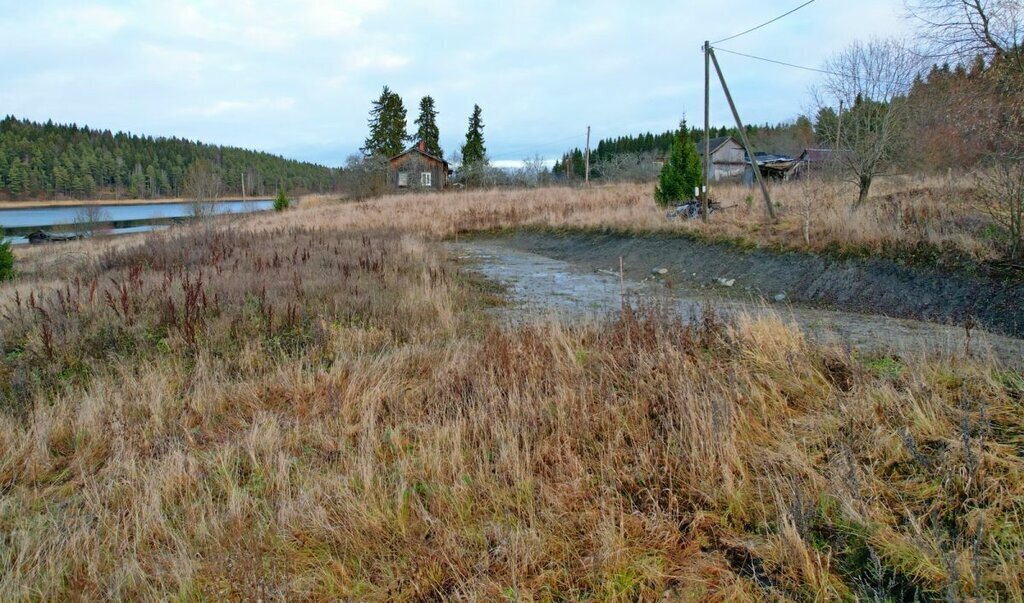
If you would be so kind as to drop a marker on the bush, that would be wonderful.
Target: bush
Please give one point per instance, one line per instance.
(6, 259)
(281, 203)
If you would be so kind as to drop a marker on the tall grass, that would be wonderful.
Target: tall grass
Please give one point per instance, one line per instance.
(908, 216)
(317, 412)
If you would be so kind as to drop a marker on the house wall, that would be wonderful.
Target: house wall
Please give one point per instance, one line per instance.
(728, 161)
(414, 165)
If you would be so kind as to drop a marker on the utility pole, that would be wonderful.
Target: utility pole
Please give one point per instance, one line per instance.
(743, 137)
(587, 158)
(704, 202)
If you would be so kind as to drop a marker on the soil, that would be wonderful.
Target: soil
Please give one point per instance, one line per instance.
(541, 284)
(871, 286)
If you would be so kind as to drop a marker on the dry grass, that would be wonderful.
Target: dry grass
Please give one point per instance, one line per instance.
(316, 406)
(917, 216)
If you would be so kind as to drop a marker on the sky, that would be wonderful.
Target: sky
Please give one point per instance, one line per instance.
(296, 77)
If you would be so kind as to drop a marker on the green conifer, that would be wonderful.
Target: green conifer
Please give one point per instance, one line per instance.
(428, 132)
(474, 152)
(681, 174)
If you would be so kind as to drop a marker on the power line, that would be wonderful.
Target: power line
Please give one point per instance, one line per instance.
(825, 71)
(743, 33)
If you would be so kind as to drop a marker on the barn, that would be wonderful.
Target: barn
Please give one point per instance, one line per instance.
(728, 158)
(416, 170)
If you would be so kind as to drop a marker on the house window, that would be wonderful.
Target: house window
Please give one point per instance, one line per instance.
(403, 179)
(425, 179)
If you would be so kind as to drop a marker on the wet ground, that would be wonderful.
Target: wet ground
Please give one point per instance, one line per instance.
(541, 286)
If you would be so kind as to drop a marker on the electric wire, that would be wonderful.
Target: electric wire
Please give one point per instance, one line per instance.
(813, 69)
(752, 29)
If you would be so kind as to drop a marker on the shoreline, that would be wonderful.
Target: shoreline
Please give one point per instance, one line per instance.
(56, 204)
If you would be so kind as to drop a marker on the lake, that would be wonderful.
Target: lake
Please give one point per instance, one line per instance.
(117, 219)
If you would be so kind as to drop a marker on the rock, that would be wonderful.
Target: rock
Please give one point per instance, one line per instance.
(659, 271)
(726, 282)
(780, 297)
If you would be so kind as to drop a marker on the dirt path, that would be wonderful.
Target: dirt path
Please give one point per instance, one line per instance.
(541, 285)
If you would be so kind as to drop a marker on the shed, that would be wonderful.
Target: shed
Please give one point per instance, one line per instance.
(728, 158)
(773, 167)
(818, 160)
(416, 169)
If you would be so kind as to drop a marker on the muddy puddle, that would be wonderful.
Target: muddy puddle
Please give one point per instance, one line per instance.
(541, 286)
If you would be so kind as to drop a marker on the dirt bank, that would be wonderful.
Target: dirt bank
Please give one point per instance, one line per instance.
(876, 286)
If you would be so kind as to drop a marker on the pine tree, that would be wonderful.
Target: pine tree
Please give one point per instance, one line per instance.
(17, 180)
(681, 174)
(387, 126)
(428, 132)
(474, 152)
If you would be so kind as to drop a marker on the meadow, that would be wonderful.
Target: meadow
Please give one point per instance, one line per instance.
(319, 405)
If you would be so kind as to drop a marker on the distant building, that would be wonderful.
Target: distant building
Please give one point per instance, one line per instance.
(728, 159)
(818, 160)
(773, 167)
(415, 169)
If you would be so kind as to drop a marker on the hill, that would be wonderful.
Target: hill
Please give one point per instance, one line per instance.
(56, 160)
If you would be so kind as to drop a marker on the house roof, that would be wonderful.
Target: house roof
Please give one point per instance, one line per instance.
(416, 149)
(817, 155)
(716, 143)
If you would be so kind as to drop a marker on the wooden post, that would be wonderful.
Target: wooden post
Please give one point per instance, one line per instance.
(707, 134)
(587, 157)
(743, 136)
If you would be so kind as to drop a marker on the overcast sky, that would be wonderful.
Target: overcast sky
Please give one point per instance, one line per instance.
(297, 77)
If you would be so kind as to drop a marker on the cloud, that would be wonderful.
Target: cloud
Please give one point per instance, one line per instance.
(306, 70)
(224, 107)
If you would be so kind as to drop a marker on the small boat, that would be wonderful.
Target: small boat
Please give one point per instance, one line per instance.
(41, 236)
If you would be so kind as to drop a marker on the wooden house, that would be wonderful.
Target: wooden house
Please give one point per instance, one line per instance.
(728, 158)
(416, 170)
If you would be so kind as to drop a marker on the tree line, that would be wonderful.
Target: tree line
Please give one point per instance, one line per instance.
(57, 160)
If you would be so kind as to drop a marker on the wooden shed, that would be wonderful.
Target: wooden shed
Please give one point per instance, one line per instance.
(728, 158)
(415, 169)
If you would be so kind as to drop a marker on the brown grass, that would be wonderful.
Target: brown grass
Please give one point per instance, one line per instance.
(922, 216)
(316, 406)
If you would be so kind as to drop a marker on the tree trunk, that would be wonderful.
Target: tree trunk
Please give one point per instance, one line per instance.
(865, 188)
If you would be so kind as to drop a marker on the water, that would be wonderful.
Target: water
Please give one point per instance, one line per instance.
(122, 219)
(540, 287)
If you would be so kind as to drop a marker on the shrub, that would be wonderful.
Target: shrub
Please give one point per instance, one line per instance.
(281, 203)
(6, 259)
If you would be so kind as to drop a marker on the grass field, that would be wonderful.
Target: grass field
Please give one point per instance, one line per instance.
(317, 405)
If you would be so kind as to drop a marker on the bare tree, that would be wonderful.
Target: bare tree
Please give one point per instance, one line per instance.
(963, 29)
(365, 177)
(90, 218)
(629, 167)
(1001, 192)
(202, 187)
(871, 79)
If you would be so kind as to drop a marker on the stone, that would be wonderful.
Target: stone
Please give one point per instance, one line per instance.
(780, 297)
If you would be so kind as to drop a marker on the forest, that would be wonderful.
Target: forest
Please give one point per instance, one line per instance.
(57, 161)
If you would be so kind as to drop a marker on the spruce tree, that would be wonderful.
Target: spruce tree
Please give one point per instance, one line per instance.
(681, 174)
(387, 126)
(474, 152)
(428, 132)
